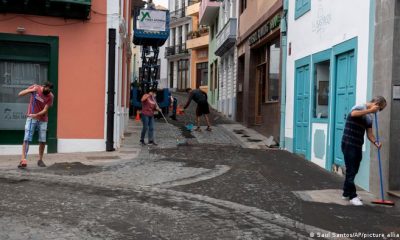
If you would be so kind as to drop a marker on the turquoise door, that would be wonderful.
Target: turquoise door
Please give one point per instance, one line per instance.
(302, 116)
(345, 98)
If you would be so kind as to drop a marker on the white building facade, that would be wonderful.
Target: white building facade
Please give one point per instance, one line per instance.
(225, 48)
(329, 70)
(176, 53)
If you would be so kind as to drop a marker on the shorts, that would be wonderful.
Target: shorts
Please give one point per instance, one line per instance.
(202, 108)
(36, 125)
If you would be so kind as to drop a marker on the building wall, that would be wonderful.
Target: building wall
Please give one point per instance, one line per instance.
(73, 79)
(197, 56)
(326, 25)
(82, 72)
(254, 12)
(386, 76)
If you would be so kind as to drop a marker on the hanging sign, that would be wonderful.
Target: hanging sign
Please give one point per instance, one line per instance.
(151, 20)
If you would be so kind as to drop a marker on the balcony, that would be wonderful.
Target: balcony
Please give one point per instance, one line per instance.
(226, 38)
(175, 15)
(193, 10)
(176, 50)
(78, 9)
(197, 39)
(208, 11)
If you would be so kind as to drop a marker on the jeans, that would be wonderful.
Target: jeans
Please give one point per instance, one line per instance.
(33, 125)
(352, 159)
(148, 124)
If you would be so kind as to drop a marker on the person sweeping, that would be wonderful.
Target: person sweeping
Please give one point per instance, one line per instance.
(37, 117)
(199, 97)
(149, 105)
(358, 121)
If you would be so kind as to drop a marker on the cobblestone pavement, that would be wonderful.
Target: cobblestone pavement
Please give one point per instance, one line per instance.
(190, 186)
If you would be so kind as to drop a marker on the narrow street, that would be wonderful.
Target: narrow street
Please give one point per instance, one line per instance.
(209, 188)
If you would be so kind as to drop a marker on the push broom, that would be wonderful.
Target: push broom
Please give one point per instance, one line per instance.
(24, 162)
(381, 201)
(170, 128)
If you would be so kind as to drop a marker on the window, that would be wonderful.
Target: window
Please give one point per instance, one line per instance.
(183, 74)
(274, 51)
(243, 5)
(202, 74)
(302, 6)
(15, 77)
(321, 90)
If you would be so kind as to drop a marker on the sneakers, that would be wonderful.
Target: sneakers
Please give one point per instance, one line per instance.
(40, 163)
(198, 129)
(173, 117)
(23, 164)
(347, 198)
(153, 143)
(142, 143)
(356, 201)
(208, 129)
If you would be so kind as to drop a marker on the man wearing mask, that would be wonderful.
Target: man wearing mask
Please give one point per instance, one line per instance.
(41, 100)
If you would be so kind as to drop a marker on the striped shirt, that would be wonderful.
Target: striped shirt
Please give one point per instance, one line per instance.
(355, 127)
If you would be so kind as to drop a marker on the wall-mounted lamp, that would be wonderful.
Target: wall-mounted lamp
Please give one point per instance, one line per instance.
(20, 29)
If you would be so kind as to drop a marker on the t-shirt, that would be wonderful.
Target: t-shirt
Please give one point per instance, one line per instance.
(198, 96)
(41, 101)
(355, 127)
(148, 106)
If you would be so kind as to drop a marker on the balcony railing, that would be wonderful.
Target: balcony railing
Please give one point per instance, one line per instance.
(176, 50)
(191, 2)
(180, 13)
(226, 38)
(199, 33)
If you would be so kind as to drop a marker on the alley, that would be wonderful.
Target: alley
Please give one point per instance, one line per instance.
(211, 189)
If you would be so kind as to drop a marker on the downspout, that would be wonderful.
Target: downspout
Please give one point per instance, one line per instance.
(283, 71)
(111, 90)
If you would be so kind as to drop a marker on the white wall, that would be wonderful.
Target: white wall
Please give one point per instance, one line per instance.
(328, 23)
(163, 81)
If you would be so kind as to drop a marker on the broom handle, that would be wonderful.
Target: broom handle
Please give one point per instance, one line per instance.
(379, 156)
(30, 125)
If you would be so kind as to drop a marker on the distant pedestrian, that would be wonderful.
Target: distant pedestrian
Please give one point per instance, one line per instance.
(199, 97)
(358, 121)
(149, 105)
(173, 102)
(41, 100)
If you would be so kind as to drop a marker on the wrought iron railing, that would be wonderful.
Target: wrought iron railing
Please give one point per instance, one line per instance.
(175, 50)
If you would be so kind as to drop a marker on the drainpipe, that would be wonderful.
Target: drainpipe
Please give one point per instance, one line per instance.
(283, 71)
(111, 90)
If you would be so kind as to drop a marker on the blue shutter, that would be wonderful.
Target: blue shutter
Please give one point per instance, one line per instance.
(302, 6)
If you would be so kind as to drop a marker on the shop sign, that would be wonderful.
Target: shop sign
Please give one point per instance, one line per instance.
(12, 116)
(265, 29)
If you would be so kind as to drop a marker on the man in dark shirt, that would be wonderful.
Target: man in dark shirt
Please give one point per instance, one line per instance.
(358, 121)
(199, 97)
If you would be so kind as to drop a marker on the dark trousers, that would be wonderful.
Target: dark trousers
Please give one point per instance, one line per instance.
(352, 159)
(174, 106)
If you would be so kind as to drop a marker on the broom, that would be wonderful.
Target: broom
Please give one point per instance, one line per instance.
(381, 201)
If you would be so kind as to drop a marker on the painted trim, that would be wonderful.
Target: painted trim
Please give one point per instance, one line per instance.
(306, 6)
(81, 145)
(317, 58)
(300, 63)
(346, 46)
(17, 149)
